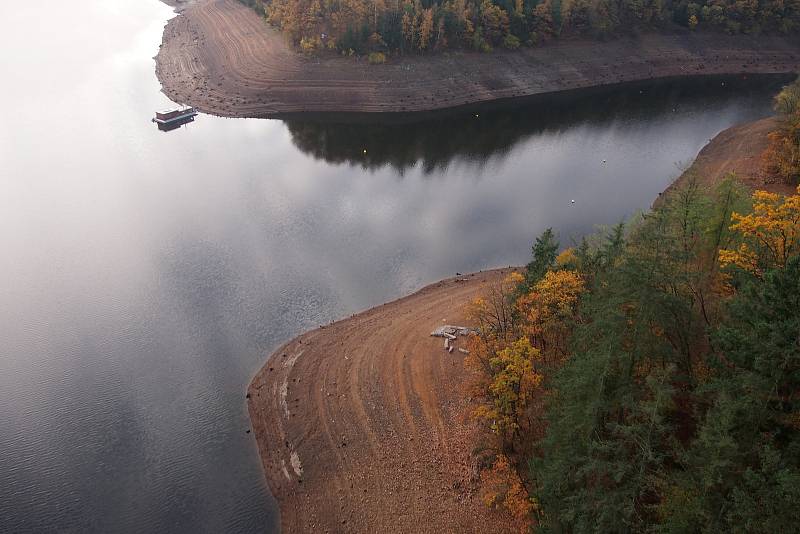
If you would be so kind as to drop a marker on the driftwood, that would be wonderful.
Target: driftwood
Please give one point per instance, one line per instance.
(451, 331)
(463, 351)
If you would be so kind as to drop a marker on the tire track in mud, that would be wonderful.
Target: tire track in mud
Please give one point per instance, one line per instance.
(377, 420)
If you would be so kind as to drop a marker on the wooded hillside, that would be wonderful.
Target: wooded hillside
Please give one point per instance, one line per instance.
(648, 379)
(362, 26)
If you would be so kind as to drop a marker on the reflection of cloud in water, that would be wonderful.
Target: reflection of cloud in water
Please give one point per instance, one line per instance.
(148, 275)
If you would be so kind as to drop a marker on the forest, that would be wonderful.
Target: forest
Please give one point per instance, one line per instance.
(402, 26)
(647, 379)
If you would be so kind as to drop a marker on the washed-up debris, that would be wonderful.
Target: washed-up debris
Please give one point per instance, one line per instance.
(450, 334)
(450, 331)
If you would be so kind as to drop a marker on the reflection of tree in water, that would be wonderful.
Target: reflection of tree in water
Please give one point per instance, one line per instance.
(481, 133)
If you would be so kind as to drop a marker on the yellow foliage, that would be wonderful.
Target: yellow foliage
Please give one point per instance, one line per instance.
(771, 232)
(566, 258)
(554, 295)
(742, 257)
(309, 44)
(513, 279)
(425, 29)
(511, 386)
(550, 308)
(505, 381)
(376, 58)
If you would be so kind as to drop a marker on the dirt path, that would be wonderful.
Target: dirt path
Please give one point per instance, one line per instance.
(220, 56)
(361, 424)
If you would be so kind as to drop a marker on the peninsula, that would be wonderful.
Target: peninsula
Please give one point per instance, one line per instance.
(221, 57)
(363, 425)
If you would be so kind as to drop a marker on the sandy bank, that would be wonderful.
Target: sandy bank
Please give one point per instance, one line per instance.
(361, 424)
(220, 56)
(737, 150)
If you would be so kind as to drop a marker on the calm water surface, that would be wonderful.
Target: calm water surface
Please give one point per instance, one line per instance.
(145, 276)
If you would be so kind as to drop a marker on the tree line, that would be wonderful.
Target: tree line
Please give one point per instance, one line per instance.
(398, 26)
(648, 379)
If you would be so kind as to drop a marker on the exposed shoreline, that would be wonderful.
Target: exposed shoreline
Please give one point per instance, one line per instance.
(362, 425)
(219, 56)
(736, 150)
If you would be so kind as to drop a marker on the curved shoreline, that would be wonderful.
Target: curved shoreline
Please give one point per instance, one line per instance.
(735, 150)
(219, 56)
(361, 424)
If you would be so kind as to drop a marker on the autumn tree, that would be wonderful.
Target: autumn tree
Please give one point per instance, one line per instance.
(484, 24)
(425, 31)
(503, 488)
(494, 311)
(770, 233)
(511, 385)
(782, 157)
(416, 26)
(549, 311)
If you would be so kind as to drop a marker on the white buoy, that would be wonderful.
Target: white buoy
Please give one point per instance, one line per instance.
(604, 161)
(573, 201)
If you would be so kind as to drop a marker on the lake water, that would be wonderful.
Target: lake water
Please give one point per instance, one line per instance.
(145, 276)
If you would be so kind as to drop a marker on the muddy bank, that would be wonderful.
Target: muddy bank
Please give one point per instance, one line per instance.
(220, 56)
(362, 424)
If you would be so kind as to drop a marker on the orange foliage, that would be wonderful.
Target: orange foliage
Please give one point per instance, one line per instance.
(506, 361)
(502, 487)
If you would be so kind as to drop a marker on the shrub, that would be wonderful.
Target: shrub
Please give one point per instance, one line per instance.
(376, 58)
(309, 44)
(511, 42)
